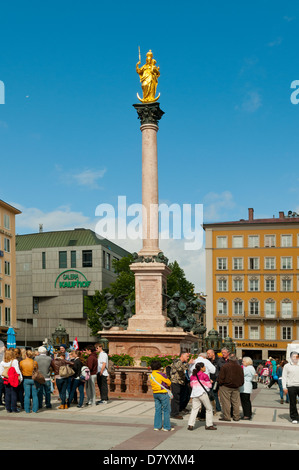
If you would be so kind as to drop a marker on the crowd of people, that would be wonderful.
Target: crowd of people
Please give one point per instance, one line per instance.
(28, 378)
(218, 384)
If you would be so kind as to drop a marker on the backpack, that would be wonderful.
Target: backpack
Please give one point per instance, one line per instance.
(111, 368)
(84, 374)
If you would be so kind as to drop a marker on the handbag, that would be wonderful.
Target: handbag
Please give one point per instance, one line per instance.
(5, 371)
(66, 371)
(208, 392)
(168, 391)
(38, 377)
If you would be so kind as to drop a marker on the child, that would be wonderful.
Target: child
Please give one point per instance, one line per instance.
(200, 384)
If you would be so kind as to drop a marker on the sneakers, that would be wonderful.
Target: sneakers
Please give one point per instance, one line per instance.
(168, 430)
(102, 402)
(294, 421)
(157, 429)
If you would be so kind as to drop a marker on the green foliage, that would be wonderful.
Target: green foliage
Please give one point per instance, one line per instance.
(121, 359)
(177, 282)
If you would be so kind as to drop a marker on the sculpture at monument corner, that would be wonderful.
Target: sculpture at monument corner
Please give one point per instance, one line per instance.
(114, 316)
(148, 74)
(180, 313)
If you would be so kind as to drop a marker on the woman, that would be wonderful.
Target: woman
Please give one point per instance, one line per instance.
(27, 366)
(75, 357)
(20, 390)
(246, 389)
(11, 395)
(200, 384)
(61, 382)
(160, 386)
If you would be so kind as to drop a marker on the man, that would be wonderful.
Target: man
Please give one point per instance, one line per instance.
(215, 360)
(102, 375)
(290, 384)
(44, 364)
(178, 383)
(92, 364)
(225, 355)
(230, 378)
(203, 357)
(63, 350)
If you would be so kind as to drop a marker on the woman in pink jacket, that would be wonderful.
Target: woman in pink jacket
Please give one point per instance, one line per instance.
(200, 384)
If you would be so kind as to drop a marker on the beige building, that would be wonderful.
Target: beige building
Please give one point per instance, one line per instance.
(56, 273)
(7, 268)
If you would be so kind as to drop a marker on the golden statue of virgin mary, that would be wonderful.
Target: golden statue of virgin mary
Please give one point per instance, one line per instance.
(148, 74)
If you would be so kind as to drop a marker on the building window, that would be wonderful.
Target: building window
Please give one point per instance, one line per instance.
(223, 331)
(286, 332)
(222, 285)
(7, 316)
(253, 263)
(222, 307)
(35, 305)
(221, 242)
(270, 262)
(62, 259)
(254, 285)
(238, 332)
(237, 241)
(286, 285)
(286, 310)
(238, 307)
(270, 285)
(237, 263)
(286, 240)
(254, 307)
(108, 265)
(43, 260)
(254, 332)
(270, 309)
(7, 245)
(270, 332)
(286, 262)
(7, 268)
(221, 263)
(87, 258)
(7, 291)
(238, 285)
(6, 222)
(253, 241)
(73, 259)
(270, 241)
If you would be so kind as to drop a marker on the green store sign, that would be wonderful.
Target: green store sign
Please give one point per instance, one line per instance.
(71, 279)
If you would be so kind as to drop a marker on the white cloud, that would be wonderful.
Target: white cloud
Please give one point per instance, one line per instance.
(276, 42)
(87, 178)
(217, 206)
(252, 102)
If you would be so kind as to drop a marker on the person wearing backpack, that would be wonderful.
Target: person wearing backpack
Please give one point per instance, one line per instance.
(11, 394)
(77, 383)
(102, 375)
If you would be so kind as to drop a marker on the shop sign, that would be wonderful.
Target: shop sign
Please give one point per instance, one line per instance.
(71, 279)
(257, 345)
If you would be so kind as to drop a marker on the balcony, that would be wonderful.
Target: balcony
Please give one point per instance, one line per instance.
(265, 316)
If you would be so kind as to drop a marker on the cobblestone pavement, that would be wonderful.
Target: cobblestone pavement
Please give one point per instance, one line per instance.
(127, 425)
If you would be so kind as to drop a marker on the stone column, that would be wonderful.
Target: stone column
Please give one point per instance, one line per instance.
(149, 115)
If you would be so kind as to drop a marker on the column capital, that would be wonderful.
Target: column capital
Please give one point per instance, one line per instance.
(149, 113)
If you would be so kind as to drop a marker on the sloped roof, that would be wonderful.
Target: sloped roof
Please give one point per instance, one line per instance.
(65, 238)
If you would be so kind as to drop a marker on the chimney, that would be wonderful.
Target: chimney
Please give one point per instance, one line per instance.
(281, 215)
(41, 228)
(250, 214)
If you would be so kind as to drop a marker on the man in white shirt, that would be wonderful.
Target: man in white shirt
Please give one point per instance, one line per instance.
(210, 368)
(102, 374)
(290, 384)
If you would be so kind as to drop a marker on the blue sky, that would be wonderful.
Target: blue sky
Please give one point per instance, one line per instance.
(70, 138)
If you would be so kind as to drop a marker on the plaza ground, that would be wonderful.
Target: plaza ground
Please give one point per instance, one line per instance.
(127, 425)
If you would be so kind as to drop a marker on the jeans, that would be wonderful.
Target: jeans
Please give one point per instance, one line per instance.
(62, 386)
(162, 408)
(30, 390)
(77, 384)
(44, 389)
(103, 386)
(10, 398)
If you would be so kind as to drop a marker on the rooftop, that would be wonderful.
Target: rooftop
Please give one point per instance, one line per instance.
(65, 238)
(290, 218)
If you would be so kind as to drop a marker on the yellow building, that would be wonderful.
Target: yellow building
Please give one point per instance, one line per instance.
(252, 283)
(8, 314)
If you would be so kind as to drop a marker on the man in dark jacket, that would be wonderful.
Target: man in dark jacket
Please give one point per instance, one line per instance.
(215, 360)
(230, 378)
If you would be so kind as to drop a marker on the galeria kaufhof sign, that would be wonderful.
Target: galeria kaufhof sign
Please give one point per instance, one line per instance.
(71, 279)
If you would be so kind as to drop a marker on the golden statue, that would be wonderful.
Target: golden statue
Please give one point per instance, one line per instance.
(148, 74)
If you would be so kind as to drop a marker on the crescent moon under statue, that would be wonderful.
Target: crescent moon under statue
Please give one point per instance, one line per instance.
(148, 74)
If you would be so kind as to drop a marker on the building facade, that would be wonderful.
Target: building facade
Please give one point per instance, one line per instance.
(8, 315)
(56, 274)
(252, 282)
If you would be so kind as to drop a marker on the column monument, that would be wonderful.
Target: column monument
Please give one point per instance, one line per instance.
(147, 333)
